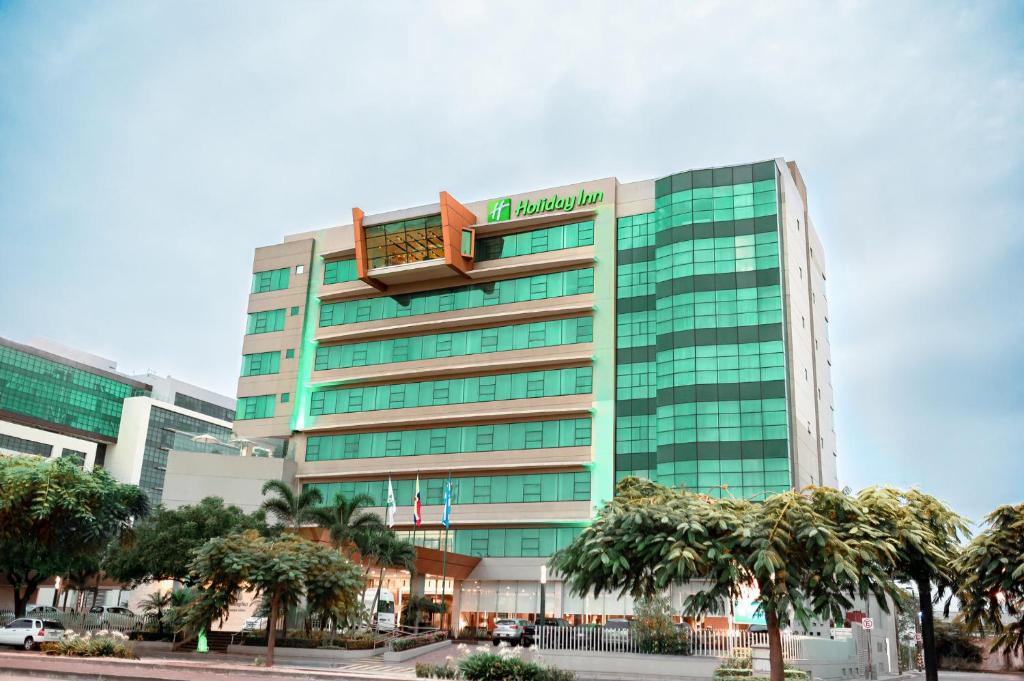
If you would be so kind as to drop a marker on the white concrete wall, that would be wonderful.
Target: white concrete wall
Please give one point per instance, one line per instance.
(56, 440)
(238, 480)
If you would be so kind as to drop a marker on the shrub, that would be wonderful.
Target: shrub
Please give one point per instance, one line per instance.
(493, 667)
(416, 642)
(654, 630)
(113, 644)
(955, 647)
(473, 634)
(436, 671)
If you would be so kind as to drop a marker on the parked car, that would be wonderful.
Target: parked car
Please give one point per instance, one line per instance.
(28, 632)
(513, 632)
(616, 630)
(254, 624)
(44, 611)
(114, 616)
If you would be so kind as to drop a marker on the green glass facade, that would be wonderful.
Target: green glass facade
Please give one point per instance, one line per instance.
(338, 271)
(701, 395)
(261, 363)
(494, 437)
(66, 395)
(536, 241)
(511, 542)
(486, 489)
(270, 280)
(686, 375)
(456, 343)
(255, 407)
(516, 386)
(267, 321)
(537, 287)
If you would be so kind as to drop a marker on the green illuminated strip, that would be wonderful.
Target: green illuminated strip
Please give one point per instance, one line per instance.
(536, 241)
(261, 363)
(528, 384)
(456, 344)
(535, 287)
(490, 489)
(451, 440)
(270, 280)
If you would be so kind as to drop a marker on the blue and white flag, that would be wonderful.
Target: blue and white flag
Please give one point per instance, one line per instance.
(445, 519)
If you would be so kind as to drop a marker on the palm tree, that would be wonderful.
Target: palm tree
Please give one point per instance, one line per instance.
(179, 600)
(348, 522)
(156, 602)
(390, 552)
(290, 510)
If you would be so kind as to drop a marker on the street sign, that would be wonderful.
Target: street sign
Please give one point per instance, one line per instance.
(868, 623)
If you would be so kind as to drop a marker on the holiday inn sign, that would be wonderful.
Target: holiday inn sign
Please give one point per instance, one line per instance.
(499, 210)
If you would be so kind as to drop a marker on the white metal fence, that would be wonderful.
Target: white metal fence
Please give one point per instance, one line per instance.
(84, 621)
(705, 643)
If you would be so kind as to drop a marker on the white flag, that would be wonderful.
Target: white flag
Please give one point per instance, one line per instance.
(392, 508)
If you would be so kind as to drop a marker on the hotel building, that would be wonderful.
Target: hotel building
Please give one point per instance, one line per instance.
(540, 346)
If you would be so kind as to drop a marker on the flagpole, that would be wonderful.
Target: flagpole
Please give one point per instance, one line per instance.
(444, 557)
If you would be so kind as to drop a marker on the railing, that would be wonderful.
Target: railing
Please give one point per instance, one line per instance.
(705, 643)
(84, 621)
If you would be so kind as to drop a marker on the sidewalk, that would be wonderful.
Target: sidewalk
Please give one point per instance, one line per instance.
(212, 668)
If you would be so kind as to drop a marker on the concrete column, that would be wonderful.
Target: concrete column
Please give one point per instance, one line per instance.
(456, 609)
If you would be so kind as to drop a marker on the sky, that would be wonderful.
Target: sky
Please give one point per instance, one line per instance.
(146, 148)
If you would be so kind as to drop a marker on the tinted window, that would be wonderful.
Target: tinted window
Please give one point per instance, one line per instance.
(50, 624)
(616, 625)
(20, 624)
(506, 622)
(96, 610)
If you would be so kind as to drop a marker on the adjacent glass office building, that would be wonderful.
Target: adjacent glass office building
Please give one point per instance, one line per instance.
(537, 348)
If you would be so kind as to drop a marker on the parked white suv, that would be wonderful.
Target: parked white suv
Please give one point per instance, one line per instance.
(27, 633)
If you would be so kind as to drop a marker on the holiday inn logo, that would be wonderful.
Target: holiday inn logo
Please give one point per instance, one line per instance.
(499, 210)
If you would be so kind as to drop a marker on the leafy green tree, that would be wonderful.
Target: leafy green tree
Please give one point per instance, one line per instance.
(176, 615)
(53, 515)
(991, 585)
(155, 604)
(164, 543)
(808, 553)
(927, 536)
(291, 510)
(348, 522)
(280, 568)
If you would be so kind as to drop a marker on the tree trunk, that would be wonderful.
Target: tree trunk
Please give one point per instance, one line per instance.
(64, 607)
(775, 660)
(271, 623)
(22, 595)
(931, 663)
(284, 621)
